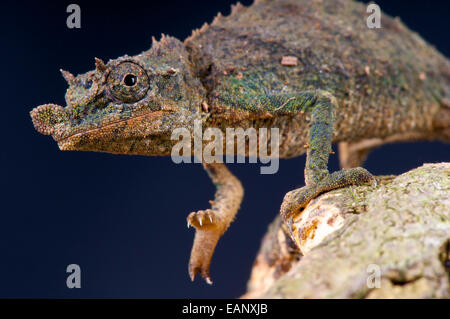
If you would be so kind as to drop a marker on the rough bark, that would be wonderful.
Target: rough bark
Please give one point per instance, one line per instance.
(388, 241)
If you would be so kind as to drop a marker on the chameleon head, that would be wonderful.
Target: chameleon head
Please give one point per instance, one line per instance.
(129, 105)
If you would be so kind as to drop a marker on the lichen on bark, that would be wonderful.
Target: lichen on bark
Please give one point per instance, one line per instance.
(399, 230)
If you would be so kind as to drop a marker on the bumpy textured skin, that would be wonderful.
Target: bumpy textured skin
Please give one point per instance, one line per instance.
(311, 68)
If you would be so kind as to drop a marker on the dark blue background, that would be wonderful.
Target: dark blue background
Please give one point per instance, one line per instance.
(122, 218)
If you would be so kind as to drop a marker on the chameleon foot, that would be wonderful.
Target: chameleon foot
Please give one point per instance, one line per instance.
(295, 201)
(208, 231)
(210, 224)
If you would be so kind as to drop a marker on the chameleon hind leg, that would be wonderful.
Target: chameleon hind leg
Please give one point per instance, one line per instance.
(210, 224)
(350, 156)
(317, 178)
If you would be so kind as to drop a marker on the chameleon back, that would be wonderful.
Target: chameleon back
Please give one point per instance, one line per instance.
(389, 79)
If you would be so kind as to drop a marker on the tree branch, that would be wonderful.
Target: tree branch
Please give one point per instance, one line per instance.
(389, 241)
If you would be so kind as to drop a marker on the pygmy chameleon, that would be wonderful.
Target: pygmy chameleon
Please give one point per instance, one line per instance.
(312, 69)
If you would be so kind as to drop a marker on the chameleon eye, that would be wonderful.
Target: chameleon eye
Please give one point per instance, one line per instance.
(129, 79)
(128, 82)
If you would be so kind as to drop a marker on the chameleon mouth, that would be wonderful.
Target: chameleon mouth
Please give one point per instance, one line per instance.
(99, 138)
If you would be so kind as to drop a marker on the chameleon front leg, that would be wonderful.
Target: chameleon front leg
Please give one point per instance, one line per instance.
(317, 177)
(210, 224)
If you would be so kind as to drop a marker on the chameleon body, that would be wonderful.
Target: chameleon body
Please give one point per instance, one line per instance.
(311, 68)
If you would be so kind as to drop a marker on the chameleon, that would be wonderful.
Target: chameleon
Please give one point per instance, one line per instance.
(310, 68)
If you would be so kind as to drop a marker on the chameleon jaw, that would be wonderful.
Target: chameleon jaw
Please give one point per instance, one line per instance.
(119, 136)
(113, 136)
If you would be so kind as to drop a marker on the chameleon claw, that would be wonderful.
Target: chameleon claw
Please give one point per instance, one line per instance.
(204, 273)
(201, 218)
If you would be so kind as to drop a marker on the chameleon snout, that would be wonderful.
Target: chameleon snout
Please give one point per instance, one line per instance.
(47, 117)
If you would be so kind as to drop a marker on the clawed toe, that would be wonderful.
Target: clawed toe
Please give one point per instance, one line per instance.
(295, 201)
(201, 218)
